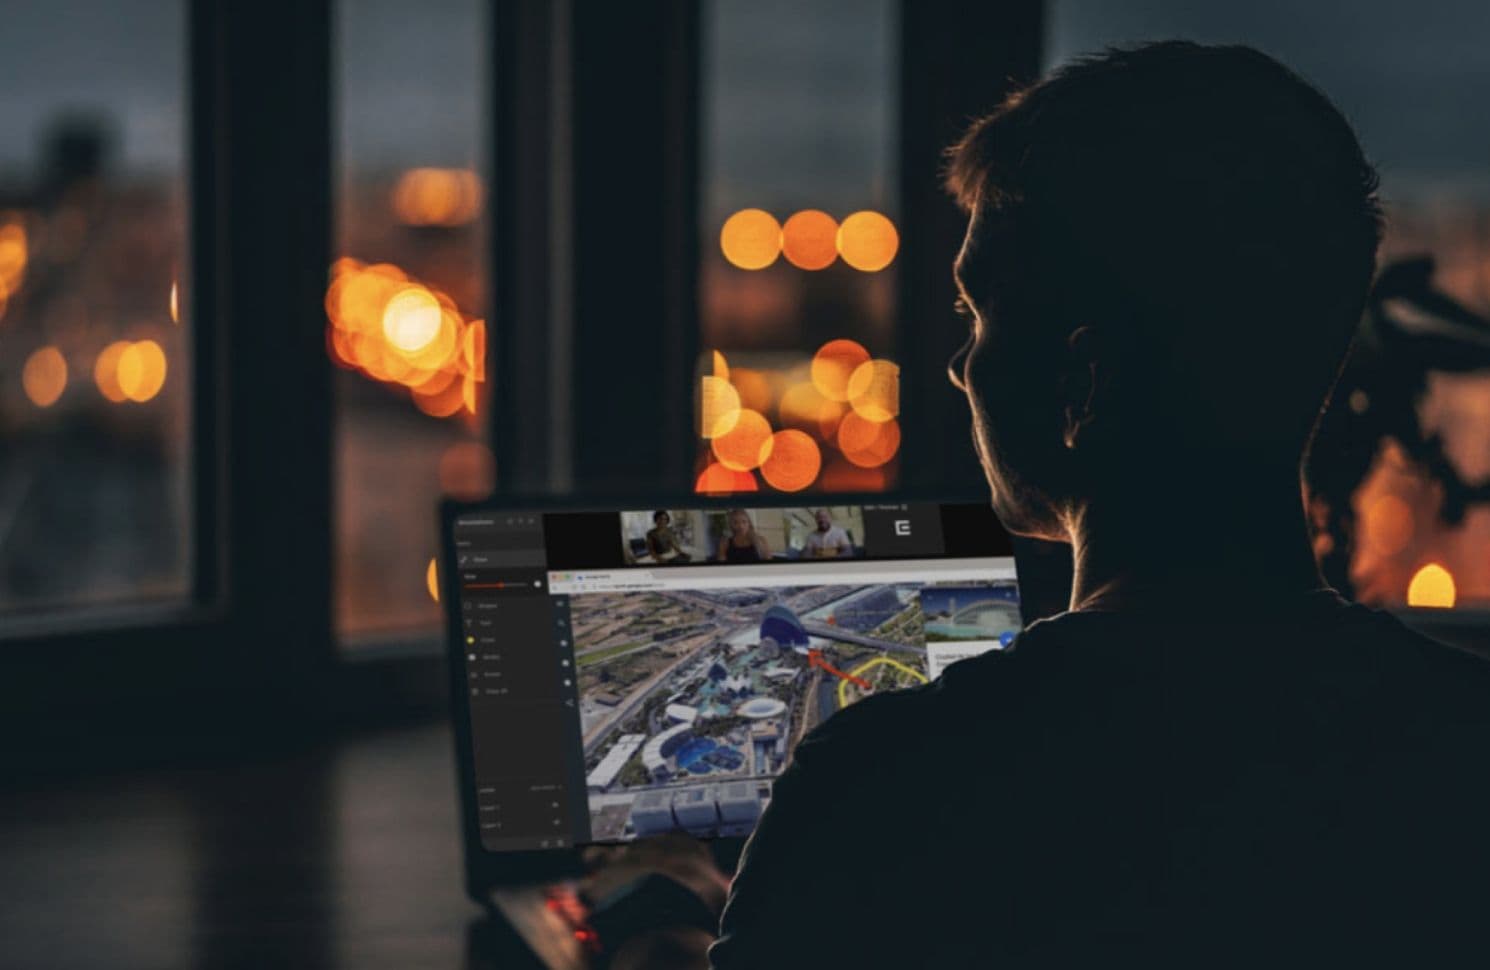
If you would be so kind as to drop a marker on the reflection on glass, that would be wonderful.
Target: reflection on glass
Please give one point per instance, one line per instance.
(406, 300)
(797, 267)
(94, 376)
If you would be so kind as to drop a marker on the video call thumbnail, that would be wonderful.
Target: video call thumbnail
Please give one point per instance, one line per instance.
(740, 536)
(692, 701)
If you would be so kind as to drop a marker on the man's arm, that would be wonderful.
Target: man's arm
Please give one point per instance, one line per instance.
(804, 893)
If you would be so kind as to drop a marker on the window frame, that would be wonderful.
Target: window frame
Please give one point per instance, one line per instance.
(258, 606)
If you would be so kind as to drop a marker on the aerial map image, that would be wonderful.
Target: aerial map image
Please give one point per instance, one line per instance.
(691, 701)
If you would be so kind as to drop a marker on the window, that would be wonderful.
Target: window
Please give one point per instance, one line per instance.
(95, 383)
(1411, 523)
(798, 243)
(406, 299)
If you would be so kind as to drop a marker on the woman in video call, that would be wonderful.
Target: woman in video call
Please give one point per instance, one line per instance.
(742, 543)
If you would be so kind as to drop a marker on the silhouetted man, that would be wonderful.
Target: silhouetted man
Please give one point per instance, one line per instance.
(1211, 759)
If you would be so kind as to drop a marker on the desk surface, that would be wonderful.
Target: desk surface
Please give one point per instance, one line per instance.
(344, 855)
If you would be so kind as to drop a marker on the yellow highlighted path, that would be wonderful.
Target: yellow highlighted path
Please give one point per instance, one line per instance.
(871, 664)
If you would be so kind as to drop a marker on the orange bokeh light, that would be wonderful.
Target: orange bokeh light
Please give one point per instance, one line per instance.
(868, 241)
(874, 390)
(432, 580)
(809, 239)
(469, 397)
(721, 366)
(1388, 525)
(1432, 586)
(754, 387)
(745, 445)
(44, 376)
(399, 331)
(802, 406)
(142, 370)
(444, 402)
(473, 348)
(719, 407)
(751, 239)
(794, 461)
(719, 480)
(834, 364)
(437, 197)
(868, 444)
(106, 371)
(411, 319)
(14, 253)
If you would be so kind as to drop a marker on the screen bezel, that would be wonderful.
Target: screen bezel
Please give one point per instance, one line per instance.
(485, 870)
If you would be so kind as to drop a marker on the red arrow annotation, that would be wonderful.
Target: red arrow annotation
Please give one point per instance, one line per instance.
(815, 659)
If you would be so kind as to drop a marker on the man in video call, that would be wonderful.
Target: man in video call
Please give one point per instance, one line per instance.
(1211, 759)
(829, 541)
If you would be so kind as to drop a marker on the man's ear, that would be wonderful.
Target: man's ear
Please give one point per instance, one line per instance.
(1085, 374)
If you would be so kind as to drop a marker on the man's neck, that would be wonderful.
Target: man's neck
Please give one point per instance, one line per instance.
(1175, 552)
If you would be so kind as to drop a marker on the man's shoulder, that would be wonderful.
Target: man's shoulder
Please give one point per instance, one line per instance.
(1419, 666)
(915, 717)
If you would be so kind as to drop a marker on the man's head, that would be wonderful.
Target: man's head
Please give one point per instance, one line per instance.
(661, 517)
(1168, 251)
(824, 520)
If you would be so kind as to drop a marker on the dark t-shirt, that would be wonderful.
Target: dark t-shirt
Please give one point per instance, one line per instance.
(1302, 783)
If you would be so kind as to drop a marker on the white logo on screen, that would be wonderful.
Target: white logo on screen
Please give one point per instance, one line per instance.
(902, 527)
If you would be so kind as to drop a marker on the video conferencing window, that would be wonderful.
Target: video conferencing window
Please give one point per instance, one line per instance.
(655, 699)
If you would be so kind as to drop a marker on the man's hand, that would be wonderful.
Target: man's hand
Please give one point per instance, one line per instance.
(687, 862)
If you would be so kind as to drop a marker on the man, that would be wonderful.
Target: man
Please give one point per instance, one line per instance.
(829, 541)
(1211, 759)
(662, 542)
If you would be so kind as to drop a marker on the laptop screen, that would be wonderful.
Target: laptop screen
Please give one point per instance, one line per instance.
(629, 673)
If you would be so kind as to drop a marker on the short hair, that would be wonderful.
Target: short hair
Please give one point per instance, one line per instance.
(660, 513)
(1204, 199)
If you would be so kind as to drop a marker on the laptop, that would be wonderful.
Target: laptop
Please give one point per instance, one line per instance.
(630, 670)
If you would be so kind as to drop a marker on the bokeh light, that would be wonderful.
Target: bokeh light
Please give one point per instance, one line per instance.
(868, 241)
(794, 461)
(175, 302)
(1387, 526)
(442, 403)
(865, 443)
(803, 406)
(719, 480)
(834, 364)
(142, 370)
(470, 393)
(106, 371)
(809, 239)
(437, 197)
(751, 239)
(14, 253)
(398, 331)
(874, 390)
(411, 320)
(747, 444)
(721, 366)
(755, 388)
(1432, 586)
(432, 580)
(473, 349)
(719, 407)
(44, 376)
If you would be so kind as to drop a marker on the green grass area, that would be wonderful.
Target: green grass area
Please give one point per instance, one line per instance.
(597, 656)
